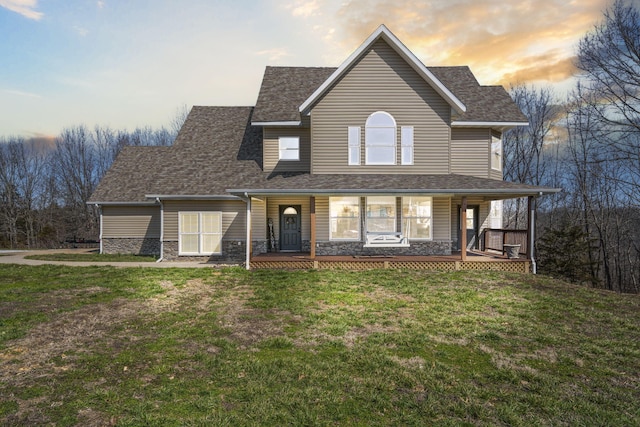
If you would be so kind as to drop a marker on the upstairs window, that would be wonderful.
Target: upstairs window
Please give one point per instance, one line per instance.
(496, 153)
(354, 145)
(289, 148)
(380, 139)
(406, 142)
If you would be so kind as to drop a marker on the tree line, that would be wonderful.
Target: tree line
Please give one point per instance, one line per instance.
(588, 144)
(45, 184)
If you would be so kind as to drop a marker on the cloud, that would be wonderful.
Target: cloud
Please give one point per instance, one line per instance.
(25, 8)
(100, 4)
(304, 8)
(274, 54)
(527, 40)
(21, 93)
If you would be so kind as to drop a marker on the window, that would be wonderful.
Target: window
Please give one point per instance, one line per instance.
(200, 233)
(380, 139)
(354, 145)
(406, 142)
(495, 214)
(416, 217)
(381, 214)
(344, 217)
(496, 153)
(289, 147)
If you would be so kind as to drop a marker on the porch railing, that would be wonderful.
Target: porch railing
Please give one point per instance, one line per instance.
(496, 238)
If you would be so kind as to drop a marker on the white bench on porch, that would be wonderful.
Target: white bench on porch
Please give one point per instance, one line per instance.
(386, 240)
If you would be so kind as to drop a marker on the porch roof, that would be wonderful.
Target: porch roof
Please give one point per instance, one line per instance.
(445, 185)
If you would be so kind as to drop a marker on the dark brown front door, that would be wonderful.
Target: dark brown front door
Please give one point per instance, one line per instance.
(290, 228)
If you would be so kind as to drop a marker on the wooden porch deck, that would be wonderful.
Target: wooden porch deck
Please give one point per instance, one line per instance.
(475, 261)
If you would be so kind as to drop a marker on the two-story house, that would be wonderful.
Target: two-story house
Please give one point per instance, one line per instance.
(381, 155)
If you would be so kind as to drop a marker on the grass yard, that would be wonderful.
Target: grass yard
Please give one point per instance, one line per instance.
(92, 257)
(129, 347)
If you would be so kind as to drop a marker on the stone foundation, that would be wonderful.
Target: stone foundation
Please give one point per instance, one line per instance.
(137, 246)
(233, 252)
(435, 247)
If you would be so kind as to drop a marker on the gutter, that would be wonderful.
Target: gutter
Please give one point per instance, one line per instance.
(436, 192)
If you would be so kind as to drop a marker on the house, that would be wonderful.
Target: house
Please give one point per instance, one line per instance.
(381, 155)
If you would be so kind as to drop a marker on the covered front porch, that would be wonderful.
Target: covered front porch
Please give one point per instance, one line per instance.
(474, 260)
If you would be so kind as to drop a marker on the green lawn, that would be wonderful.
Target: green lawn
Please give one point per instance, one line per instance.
(92, 257)
(129, 347)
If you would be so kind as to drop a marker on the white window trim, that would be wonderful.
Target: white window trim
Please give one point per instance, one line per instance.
(395, 140)
(395, 215)
(406, 142)
(199, 233)
(354, 144)
(418, 239)
(497, 152)
(338, 239)
(281, 149)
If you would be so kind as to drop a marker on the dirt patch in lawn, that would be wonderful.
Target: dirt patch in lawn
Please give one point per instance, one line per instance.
(53, 347)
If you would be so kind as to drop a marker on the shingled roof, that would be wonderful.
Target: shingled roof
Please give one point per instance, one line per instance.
(284, 89)
(217, 148)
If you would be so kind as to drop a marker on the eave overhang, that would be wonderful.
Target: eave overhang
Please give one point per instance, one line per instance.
(493, 125)
(191, 197)
(383, 33)
(498, 193)
(277, 124)
(145, 203)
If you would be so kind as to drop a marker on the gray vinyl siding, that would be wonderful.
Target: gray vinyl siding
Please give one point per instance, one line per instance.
(322, 219)
(470, 152)
(131, 222)
(270, 148)
(381, 81)
(233, 217)
(441, 218)
(273, 212)
(258, 219)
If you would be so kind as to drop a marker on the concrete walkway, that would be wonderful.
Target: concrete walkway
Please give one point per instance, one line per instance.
(18, 257)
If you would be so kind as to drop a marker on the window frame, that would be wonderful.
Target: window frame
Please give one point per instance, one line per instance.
(199, 233)
(281, 149)
(354, 137)
(369, 218)
(368, 138)
(406, 141)
(332, 218)
(496, 153)
(417, 217)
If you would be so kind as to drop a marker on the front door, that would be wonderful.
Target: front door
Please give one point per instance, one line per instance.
(290, 231)
(471, 225)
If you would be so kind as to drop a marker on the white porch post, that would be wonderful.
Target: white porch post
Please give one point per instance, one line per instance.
(532, 233)
(463, 229)
(248, 244)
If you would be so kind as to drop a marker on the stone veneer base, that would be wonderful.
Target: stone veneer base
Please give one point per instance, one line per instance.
(233, 252)
(137, 246)
(434, 247)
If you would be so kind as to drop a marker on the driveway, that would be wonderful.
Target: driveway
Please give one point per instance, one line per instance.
(18, 257)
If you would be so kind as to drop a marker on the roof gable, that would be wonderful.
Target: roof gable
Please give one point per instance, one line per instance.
(383, 33)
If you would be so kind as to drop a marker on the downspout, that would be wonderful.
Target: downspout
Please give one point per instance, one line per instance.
(532, 225)
(248, 241)
(161, 229)
(101, 228)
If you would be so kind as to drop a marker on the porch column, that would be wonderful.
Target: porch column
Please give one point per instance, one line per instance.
(463, 229)
(531, 232)
(248, 244)
(312, 211)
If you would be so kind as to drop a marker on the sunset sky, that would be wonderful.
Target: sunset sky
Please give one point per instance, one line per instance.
(128, 63)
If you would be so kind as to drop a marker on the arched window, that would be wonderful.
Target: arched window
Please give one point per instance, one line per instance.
(380, 139)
